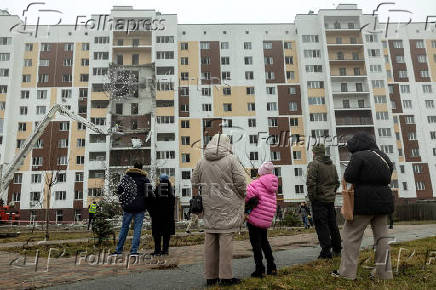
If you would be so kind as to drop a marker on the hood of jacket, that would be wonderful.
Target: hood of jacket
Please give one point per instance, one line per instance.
(324, 159)
(132, 171)
(360, 142)
(270, 182)
(218, 147)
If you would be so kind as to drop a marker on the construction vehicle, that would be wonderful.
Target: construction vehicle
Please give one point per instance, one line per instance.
(7, 175)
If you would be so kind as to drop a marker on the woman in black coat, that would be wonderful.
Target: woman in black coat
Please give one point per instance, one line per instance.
(162, 215)
(370, 171)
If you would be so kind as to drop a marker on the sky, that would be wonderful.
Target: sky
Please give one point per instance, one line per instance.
(225, 11)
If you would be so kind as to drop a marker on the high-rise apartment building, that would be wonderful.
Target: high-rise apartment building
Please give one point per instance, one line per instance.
(275, 88)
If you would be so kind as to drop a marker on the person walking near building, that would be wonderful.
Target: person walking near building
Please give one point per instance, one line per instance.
(370, 171)
(133, 191)
(305, 213)
(264, 190)
(92, 209)
(162, 215)
(220, 179)
(193, 222)
(322, 183)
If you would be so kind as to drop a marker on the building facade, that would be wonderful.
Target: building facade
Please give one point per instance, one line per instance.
(276, 89)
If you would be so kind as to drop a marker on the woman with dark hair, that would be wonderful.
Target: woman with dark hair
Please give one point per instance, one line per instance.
(369, 170)
(162, 215)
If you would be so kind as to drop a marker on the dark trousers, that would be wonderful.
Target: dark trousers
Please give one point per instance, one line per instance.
(259, 242)
(90, 218)
(165, 240)
(324, 216)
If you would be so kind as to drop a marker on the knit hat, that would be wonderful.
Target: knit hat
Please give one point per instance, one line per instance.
(163, 178)
(318, 150)
(266, 168)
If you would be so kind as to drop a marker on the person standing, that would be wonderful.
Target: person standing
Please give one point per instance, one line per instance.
(305, 213)
(260, 217)
(221, 180)
(370, 171)
(322, 183)
(92, 209)
(162, 215)
(133, 191)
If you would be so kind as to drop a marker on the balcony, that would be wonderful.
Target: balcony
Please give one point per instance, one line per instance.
(353, 118)
(353, 108)
(348, 77)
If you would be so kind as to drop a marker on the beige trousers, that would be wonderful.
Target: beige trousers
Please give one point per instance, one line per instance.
(193, 222)
(352, 238)
(218, 254)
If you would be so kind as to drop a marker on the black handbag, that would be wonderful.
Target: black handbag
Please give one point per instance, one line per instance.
(196, 204)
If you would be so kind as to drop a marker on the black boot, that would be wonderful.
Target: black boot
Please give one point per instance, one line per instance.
(228, 282)
(271, 270)
(211, 282)
(259, 272)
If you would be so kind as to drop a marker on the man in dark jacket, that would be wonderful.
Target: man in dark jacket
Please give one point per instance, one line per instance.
(162, 215)
(322, 183)
(370, 171)
(133, 191)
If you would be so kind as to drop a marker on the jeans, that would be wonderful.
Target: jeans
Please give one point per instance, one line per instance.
(306, 222)
(259, 242)
(127, 218)
(324, 216)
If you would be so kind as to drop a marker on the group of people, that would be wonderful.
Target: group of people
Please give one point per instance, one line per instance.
(228, 201)
(137, 196)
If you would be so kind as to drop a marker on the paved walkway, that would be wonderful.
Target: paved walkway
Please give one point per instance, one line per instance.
(183, 269)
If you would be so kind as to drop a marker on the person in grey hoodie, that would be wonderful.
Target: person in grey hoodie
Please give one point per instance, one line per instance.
(221, 180)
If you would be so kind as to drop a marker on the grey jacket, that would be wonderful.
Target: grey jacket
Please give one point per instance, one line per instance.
(221, 181)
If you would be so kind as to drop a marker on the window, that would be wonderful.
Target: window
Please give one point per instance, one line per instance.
(271, 106)
(271, 90)
(183, 46)
(186, 191)
(316, 100)
(22, 127)
(415, 152)
(312, 53)
(253, 139)
(374, 52)
(420, 44)
(290, 60)
(64, 126)
(429, 104)
(384, 132)
(293, 106)
(205, 60)
(67, 78)
(184, 123)
(427, 88)
(397, 43)
(407, 104)
(410, 120)
(98, 121)
(251, 107)
(411, 136)
(371, 37)
(134, 109)
(404, 185)
(78, 177)
(299, 189)
(186, 140)
(5, 56)
(310, 38)
(420, 185)
(204, 45)
(247, 45)
(382, 116)
(248, 60)
(78, 195)
(205, 75)
(225, 75)
(165, 155)
(267, 45)
(296, 155)
(315, 84)
(254, 155)
(43, 78)
(380, 99)
(227, 91)
(23, 110)
(249, 75)
(227, 107)
(35, 195)
(85, 61)
(225, 60)
(186, 174)
(293, 122)
(16, 196)
(37, 161)
(63, 143)
(272, 122)
(184, 61)
(422, 59)
(63, 160)
(101, 55)
(388, 149)
(252, 123)
(287, 45)
(93, 192)
(269, 75)
(402, 74)
(250, 90)
(431, 119)
(28, 62)
(165, 54)
(424, 74)
(298, 171)
(318, 117)
(206, 107)
(405, 89)
(275, 155)
(18, 178)
(224, 45)
(290, 75)
(378, 83)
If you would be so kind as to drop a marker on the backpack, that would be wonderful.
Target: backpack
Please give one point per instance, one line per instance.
(196, 204)
(129, 190)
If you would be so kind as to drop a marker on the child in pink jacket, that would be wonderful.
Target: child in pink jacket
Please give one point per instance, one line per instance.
(261, 196)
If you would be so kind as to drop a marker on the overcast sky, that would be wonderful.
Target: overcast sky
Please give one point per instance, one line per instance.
(222, 11)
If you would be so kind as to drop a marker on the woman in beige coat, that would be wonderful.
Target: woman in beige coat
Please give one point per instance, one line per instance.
(221, 180)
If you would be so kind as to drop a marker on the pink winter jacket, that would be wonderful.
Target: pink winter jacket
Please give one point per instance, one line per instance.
(265, 188)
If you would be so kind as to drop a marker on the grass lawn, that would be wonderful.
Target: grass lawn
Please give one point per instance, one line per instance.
(412, 273)
(146, 242)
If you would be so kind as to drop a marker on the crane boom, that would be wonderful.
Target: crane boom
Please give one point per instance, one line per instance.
(32, 139)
